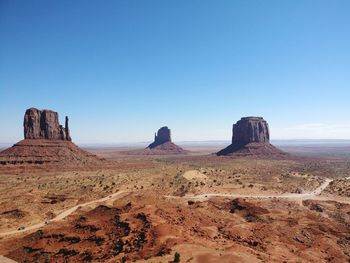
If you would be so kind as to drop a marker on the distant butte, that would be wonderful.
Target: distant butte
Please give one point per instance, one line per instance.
(46, 142)
(251, 136)
(162, 145)
(162, 136)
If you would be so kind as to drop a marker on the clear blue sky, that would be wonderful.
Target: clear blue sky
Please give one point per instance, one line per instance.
(121, 69)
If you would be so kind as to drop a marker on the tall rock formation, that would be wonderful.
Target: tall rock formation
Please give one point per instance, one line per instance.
(66, 129)
(162, 136)
(250, 129)
(43, 124)
(162, 145)
(46, 144)
(251, 136)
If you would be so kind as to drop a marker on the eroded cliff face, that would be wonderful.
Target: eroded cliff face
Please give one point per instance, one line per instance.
(250, 129)
(162, 136)
(44, 124)
(251, 136)
(46, 145)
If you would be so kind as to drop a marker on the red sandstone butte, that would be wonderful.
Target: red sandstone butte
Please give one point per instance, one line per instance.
(251, 136)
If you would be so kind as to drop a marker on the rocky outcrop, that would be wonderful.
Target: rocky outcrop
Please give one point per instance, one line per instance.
(47, 153)
(162, 136)
(251, 136)
(250, 129)
(44, 124)
(162, 145)
(46, 145)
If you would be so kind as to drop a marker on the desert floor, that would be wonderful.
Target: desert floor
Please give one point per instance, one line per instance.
(203, 207)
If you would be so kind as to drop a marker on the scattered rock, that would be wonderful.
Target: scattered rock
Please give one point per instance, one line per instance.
(15, 213)
(250, 211)
(193, 175)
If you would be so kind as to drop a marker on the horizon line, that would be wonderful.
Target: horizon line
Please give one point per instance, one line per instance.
(193, 141)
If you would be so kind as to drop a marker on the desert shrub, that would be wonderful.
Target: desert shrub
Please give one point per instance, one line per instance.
(38, 234)
(176, 257)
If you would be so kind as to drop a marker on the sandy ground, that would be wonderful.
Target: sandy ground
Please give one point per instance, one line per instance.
(189, 175)
(183, 204)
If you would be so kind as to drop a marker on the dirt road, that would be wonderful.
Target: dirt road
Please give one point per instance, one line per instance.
(309, 195)
(64, 214)
(293, 196)
(6, 260)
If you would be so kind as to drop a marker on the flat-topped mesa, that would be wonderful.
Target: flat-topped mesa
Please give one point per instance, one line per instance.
(251, 136)
(162, 136)
(250, 129)
(44, 124)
